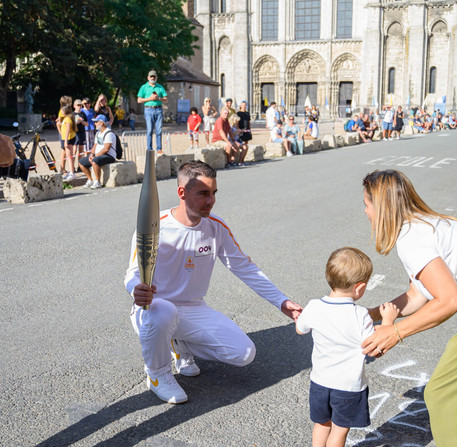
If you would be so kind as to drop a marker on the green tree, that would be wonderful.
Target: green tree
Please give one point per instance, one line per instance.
(87, 46)
(149, 34)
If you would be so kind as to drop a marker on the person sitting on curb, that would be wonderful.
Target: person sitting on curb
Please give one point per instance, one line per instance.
(102, 153)
(312, 132)
(221, 137)
(276, 137)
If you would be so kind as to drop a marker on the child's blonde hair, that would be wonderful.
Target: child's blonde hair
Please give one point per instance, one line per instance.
(234, 119)
(347, 267)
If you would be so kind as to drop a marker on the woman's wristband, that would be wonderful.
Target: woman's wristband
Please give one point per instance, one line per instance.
(398, 334)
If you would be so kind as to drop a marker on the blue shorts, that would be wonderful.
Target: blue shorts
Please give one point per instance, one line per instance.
(386, 126)
(344, 408)
(277, 140)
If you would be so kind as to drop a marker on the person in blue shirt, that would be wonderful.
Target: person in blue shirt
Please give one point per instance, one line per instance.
(90, 128)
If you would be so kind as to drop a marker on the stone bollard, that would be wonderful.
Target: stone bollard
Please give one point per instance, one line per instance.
(38, 187)
(178, 160)
(274, 150)
(329, 142)
(311, 146)
(255, 153)
(377, 136)
(340, 141)
(214, 156)
(162, 162)
(408, 130)
(119, 173)
(350, 139)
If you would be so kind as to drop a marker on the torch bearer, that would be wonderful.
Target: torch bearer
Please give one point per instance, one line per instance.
(148, 223)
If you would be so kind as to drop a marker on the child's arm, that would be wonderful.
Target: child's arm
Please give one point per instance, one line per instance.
(389, 312)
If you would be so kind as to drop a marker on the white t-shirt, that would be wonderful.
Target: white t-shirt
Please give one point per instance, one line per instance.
(338, 328)
(270, 117)
(275, 133)
(419, 243)
(389, 116)
(101, 138)
(186, 258)
(314, 129)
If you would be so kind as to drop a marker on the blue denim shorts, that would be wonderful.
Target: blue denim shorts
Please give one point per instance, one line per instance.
(343, 408)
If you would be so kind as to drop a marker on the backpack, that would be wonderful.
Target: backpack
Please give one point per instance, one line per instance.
(346, 127)
(118, 148)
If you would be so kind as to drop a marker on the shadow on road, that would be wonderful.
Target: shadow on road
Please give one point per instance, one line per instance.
(281, 354)
(410, 427)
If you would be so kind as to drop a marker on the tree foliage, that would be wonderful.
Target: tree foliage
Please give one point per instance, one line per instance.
(87, 46)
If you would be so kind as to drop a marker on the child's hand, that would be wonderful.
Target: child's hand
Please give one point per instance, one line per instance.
(389, 312)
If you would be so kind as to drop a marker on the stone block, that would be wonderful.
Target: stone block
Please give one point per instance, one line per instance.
(377, 136)
(37, 188)
(274, 150)
(177, 160)
(255, 153)
(329, 142)
(350, 139)
(162, 163)
(340, 141)
(311, 146)
(119, 173)
(410, 130)
(214, 156)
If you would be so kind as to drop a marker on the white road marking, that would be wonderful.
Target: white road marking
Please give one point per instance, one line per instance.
(375, 280)
(6, 209)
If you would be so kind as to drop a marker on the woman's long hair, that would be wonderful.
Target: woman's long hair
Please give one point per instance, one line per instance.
(395, 202)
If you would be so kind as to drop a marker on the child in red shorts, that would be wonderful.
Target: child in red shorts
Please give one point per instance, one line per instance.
(193, 125)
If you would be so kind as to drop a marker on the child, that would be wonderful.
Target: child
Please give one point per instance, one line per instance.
(132, 119)
(68, 135)
(338, 394)
(193, 124)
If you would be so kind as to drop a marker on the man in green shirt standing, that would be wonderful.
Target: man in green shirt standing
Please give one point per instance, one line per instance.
(153, 95)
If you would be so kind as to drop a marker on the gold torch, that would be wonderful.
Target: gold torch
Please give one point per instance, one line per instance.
(148, 223)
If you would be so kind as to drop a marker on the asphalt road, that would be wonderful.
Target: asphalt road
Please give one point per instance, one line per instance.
(70, 363)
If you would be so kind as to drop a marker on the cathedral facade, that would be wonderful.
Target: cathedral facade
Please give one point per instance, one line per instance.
(342, 55)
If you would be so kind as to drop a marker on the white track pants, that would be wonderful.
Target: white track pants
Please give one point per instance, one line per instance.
(208, 334)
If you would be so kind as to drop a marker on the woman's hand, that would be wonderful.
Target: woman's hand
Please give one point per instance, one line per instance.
(382, 341)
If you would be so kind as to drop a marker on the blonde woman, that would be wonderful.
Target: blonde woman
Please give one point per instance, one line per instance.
(68, 135)
(102, 108)
(426, 243)
(209, 118)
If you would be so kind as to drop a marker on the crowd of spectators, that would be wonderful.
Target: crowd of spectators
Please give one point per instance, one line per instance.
(391, 122)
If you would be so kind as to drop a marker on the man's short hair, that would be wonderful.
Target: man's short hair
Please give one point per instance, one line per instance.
(188, 172)
(347, 267)
(272, 103)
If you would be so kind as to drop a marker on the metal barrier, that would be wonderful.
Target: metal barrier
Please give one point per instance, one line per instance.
(135, 143)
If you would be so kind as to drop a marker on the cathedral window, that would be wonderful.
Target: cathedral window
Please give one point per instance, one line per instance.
(307, 19)
(391, 81)
(432, 82)
(344, 19)
(269, 19)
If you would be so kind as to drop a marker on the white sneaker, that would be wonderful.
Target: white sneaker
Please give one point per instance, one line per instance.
(96, 185)
(289, 154)
(398, 138)
(70, 176)
(65, 176)
(88, 184)
(184, 360)
(166, 388)
(384, 139)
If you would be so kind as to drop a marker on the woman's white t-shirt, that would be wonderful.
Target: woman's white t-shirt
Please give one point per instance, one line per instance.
(420, 242)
